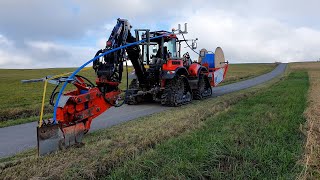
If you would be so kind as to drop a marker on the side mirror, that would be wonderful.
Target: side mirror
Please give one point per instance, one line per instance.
(194, 43)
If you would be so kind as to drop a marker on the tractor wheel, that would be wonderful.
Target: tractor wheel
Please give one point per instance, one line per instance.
(177, 92)
(204, 89)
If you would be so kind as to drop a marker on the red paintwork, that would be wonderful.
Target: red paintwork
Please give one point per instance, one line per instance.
(172, 65)
(225, 71)
(84, 107)
(211, 73)
(173, 36)
(193, 69)
(206, 65)
(170, 36)
(105, 81)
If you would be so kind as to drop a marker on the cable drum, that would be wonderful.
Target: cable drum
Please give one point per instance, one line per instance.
(219, 58)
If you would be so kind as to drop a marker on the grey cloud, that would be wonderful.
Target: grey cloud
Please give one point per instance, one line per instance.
(247, 30)
(257, 39)
(49, 20)
(43, 55)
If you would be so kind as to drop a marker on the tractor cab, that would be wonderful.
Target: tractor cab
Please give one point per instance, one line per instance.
(158, 51)
(164, 52)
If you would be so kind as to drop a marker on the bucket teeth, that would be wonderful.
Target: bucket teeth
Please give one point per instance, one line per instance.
(52, 138)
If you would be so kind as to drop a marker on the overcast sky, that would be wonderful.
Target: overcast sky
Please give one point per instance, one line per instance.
(60, 33)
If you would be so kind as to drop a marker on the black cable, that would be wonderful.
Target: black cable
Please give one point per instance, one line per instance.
(53, 94)
(126, 94)
(189, 45)
(92, 85)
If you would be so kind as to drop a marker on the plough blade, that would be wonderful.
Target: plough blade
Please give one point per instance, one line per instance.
(49, 138)
(52, 138)
(73, 134)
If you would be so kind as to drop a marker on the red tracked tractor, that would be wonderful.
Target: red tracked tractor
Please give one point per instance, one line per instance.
(162, 75)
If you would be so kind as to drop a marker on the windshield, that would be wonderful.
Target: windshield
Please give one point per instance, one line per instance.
(172, 49)
(154, 48)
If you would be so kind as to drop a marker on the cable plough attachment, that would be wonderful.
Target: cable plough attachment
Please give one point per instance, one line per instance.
(75, 111)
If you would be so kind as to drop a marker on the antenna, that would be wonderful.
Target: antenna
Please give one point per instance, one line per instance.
(185, 29)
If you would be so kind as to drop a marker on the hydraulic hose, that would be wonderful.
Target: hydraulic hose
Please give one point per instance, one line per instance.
(126, 94)
(70, 78)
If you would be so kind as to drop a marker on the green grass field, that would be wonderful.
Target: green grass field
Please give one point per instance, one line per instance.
(258, 138)
(239, 72)
(21, 102)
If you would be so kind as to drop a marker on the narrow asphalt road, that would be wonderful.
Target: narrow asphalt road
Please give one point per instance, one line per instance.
(18, 138)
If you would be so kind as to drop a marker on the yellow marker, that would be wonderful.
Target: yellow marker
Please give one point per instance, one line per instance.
(43, 98)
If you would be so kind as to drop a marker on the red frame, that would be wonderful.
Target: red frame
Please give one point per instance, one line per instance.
(85, 107)
(171, 66)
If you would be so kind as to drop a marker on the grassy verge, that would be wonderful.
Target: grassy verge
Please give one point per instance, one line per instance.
(20, 103)
(109, 148)
(310, 160)
(258, 138)
(240, 72)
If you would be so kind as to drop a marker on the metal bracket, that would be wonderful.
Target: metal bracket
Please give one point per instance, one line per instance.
(185, 29)
(147, 33)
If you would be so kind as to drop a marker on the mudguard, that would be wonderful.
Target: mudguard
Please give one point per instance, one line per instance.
(171, 74)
